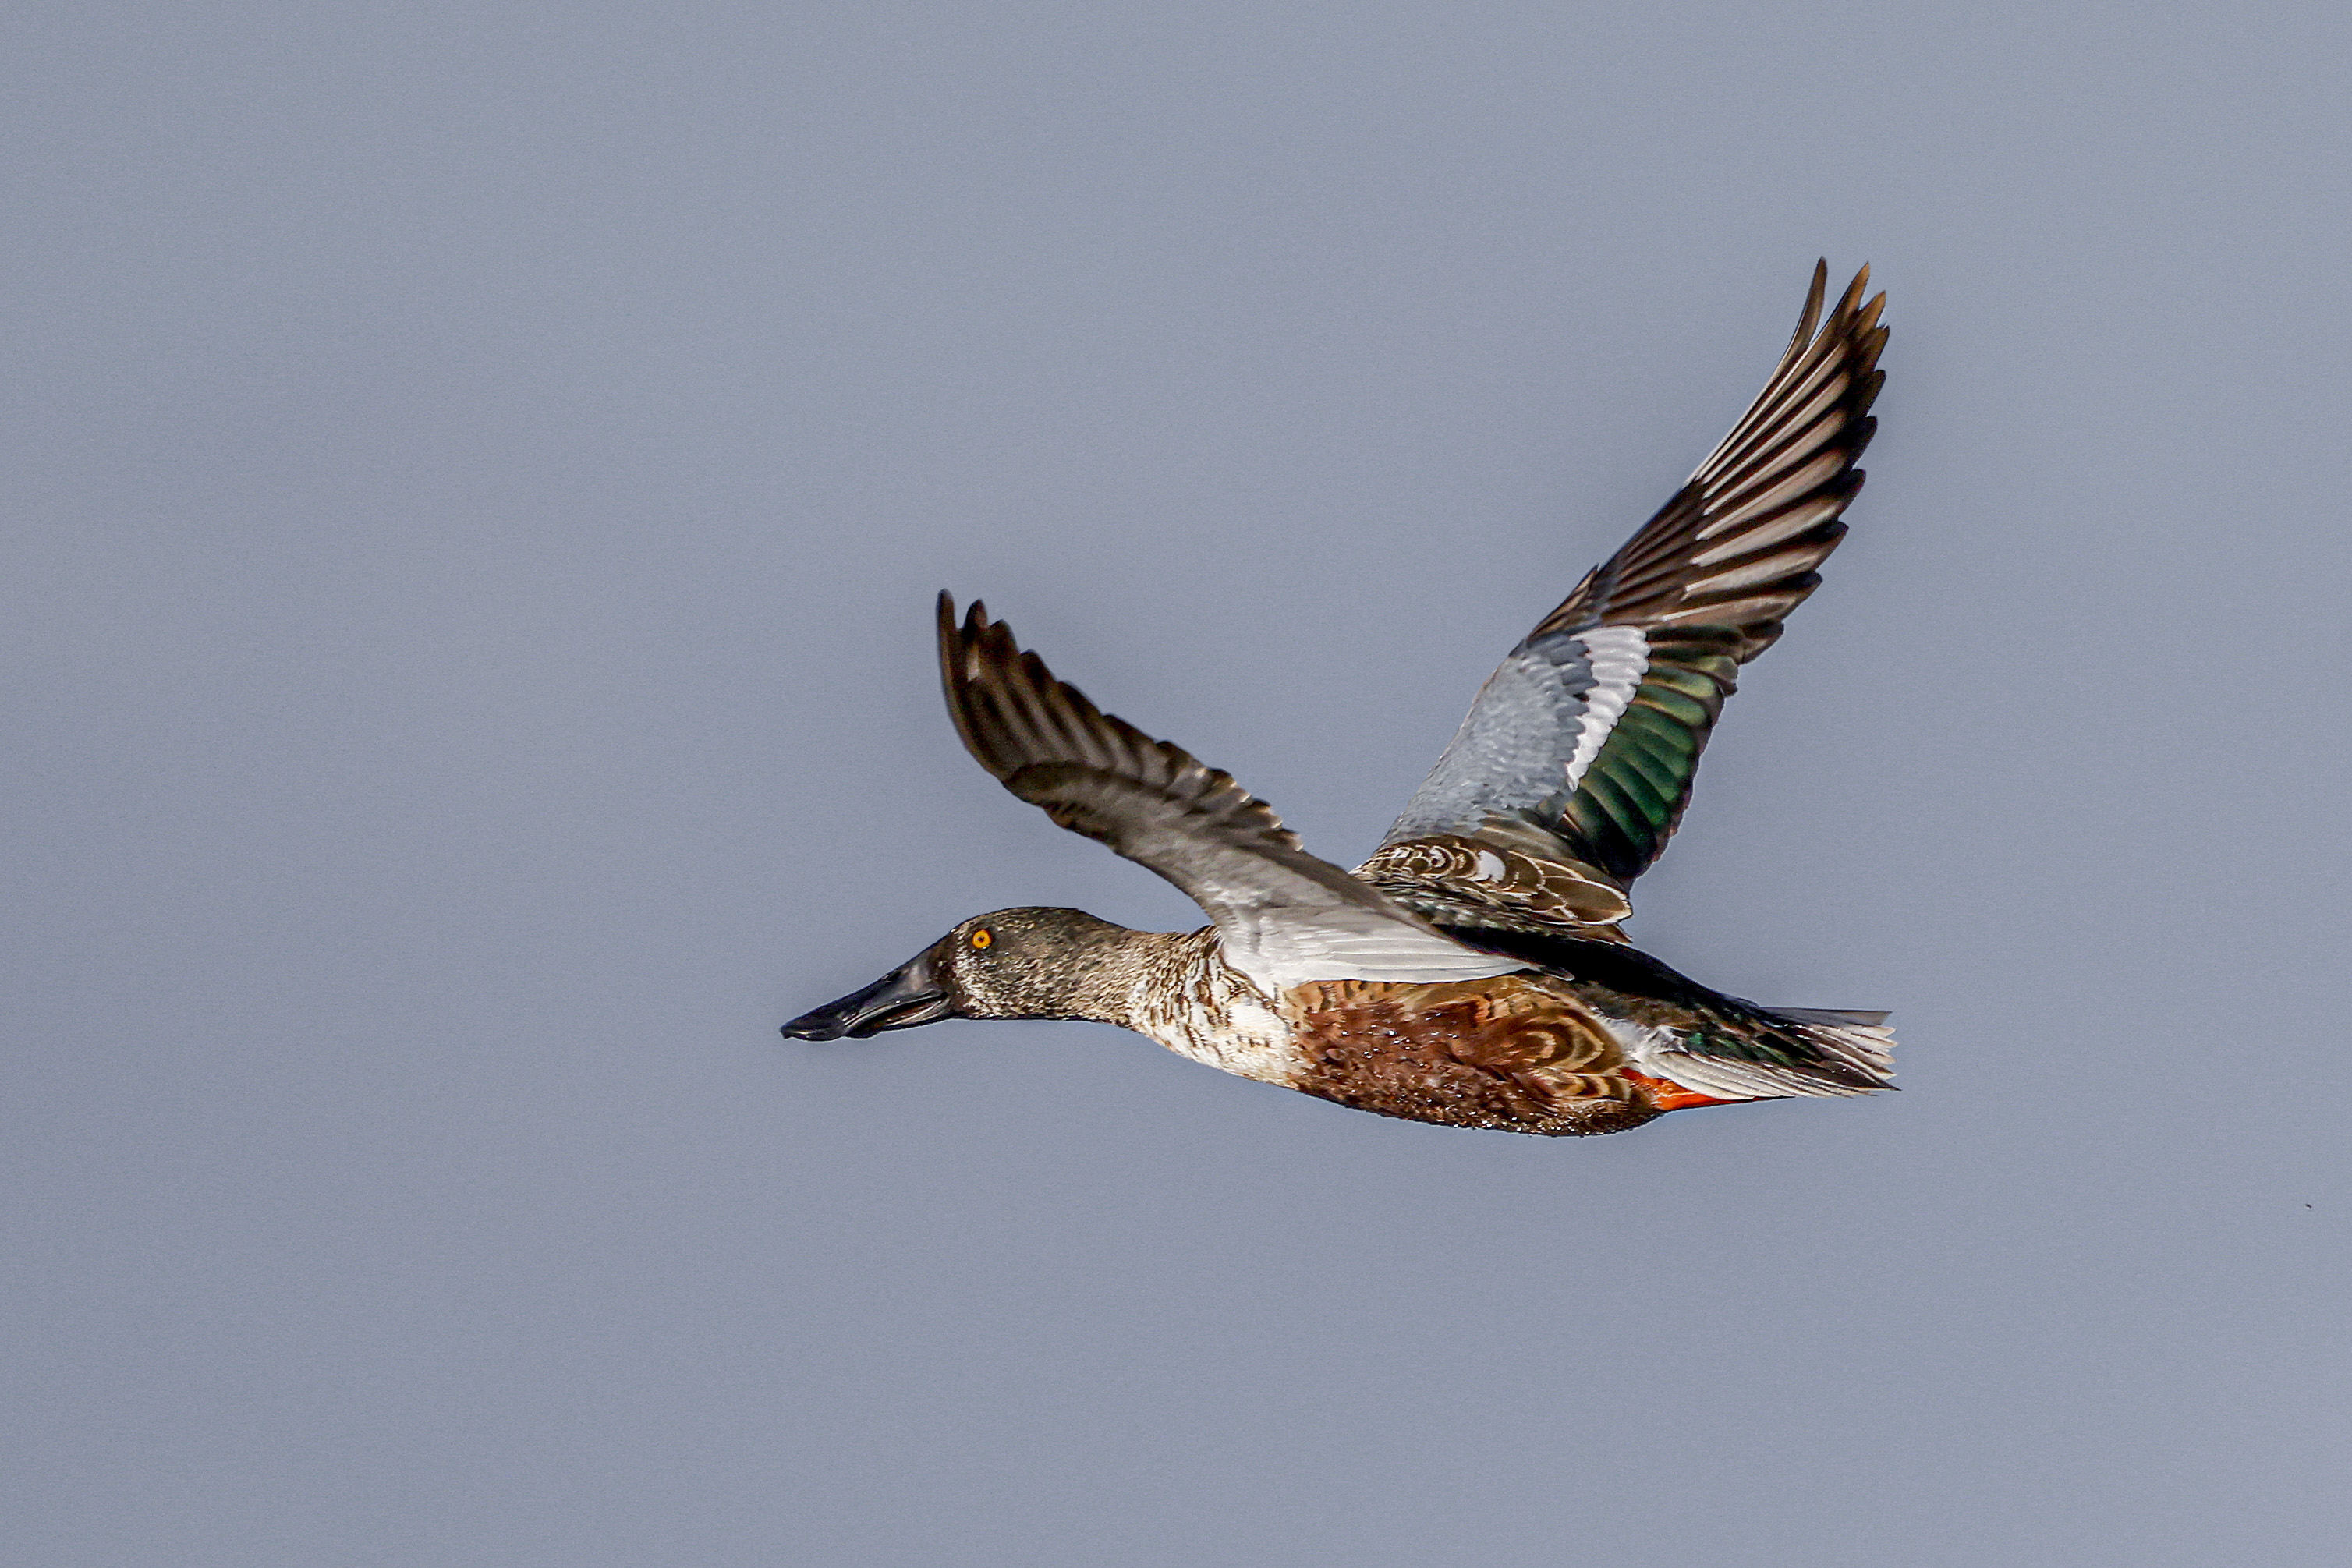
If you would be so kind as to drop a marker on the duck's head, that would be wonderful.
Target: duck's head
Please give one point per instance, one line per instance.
(1013, 964)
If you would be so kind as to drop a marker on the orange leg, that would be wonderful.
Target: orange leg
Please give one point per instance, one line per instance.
(1668, 1096)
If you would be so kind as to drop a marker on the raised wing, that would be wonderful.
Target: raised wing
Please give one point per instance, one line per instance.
(1575, 763)
(1283, 916)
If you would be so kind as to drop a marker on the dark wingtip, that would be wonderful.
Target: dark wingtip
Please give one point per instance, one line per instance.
(1811, 316)
(956, 666)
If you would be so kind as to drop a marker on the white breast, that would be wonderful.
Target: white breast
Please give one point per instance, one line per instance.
(1207, 1010)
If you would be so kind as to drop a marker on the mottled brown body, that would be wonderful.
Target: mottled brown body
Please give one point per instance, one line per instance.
(1518, 1054)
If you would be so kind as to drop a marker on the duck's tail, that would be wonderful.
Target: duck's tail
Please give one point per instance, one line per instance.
(1796, 1052)
(1856, 1038)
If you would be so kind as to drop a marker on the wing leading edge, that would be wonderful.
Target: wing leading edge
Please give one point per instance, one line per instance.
(1283, 915)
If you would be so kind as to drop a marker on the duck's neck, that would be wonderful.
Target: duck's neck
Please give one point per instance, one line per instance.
(1119, 977)
(1175, 988)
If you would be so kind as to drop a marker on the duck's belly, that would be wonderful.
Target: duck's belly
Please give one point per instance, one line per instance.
(1518, 1052)
(1513, 1053)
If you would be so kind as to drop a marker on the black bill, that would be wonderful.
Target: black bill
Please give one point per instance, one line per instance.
(906, 997)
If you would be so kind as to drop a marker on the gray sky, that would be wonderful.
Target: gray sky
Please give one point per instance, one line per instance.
(478, 479)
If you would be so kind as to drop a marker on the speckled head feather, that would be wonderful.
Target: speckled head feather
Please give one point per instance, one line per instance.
(1036, 963)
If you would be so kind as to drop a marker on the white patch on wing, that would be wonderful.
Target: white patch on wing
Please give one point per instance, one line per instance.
(1490, 866)
(1278, 948)
(1618, 657)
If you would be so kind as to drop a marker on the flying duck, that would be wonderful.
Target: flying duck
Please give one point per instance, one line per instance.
(1472, 972)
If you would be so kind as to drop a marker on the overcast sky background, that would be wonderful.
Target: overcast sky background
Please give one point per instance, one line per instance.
(479, 476)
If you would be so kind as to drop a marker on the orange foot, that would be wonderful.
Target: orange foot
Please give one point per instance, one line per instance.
(1668, 1096)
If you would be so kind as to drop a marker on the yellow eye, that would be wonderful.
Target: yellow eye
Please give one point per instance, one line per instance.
(981, 939)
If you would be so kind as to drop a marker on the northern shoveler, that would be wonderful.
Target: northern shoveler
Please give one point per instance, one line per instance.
(1472, 972)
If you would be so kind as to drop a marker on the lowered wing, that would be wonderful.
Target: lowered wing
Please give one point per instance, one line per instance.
(1283, 916)
(1576, 761)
